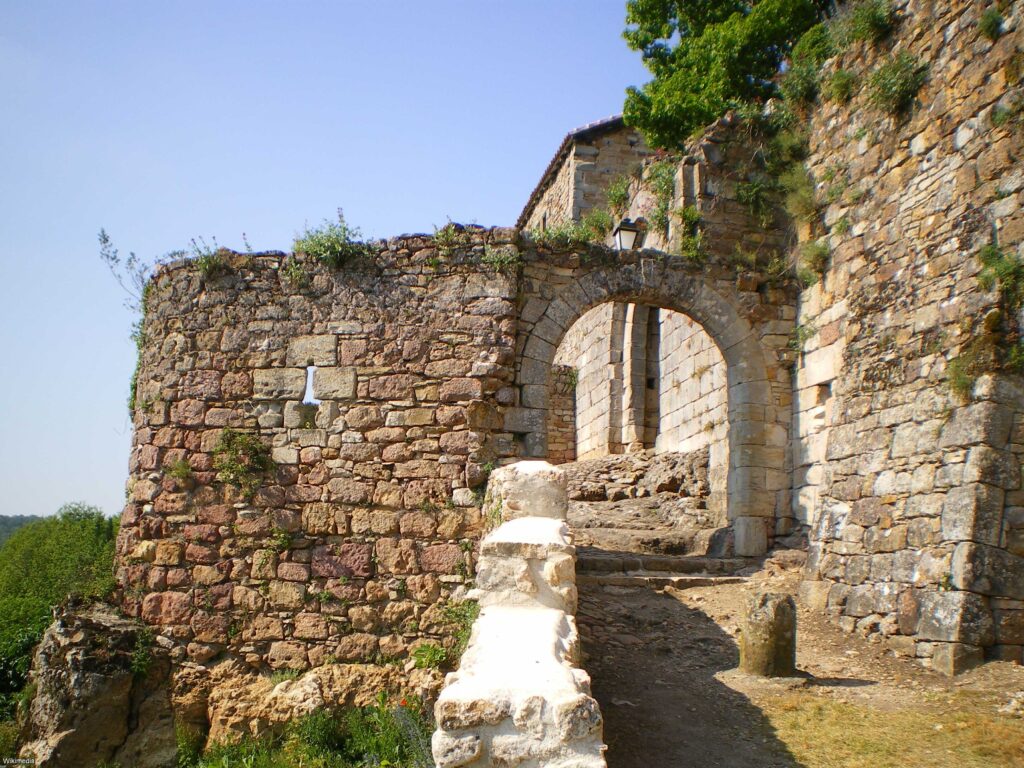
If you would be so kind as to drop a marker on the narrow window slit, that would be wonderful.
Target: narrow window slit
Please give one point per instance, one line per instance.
(310, 405)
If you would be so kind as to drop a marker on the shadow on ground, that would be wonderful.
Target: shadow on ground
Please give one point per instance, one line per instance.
(653, 661)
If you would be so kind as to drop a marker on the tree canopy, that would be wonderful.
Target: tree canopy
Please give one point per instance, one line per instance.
(708, 56)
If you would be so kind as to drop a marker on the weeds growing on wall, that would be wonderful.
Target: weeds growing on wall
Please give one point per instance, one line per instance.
(997, 347)
(1005, 270)
(990, 24)
(691, 242)
(569, 235)
(661, 179)
(801, 335)
(870, 20)
(241, 459)
(450, 237)
(460, 617)
(295, 273)
(180, 470)
(429, 656)
(617, 194)
(755, 195)
(503, 259)
(800, 83)
(142, 653)
(894, 84)
(841, 86)
(812, 260)
(388, 733)
(598, 222)
(333, 243)
(210, 259)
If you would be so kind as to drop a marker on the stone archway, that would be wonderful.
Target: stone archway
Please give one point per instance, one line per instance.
(749, 329)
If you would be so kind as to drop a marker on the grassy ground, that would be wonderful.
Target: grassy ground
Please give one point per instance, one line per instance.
(826, 733)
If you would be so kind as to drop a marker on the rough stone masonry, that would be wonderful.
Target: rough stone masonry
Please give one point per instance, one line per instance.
(431, 366)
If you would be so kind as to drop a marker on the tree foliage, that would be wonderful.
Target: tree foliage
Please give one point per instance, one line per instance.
(708, 56)
(42, 563)
(10, 523)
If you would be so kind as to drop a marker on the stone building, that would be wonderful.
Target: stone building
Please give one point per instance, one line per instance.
(578, 175)
(827, 408)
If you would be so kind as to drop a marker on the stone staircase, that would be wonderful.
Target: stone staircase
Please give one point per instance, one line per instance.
(632, 569)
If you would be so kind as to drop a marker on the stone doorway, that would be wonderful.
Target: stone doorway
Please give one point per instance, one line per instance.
(638, 398)
(634, 300)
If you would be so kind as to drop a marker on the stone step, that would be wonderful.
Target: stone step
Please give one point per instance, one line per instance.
(595, 562)
(655, 579)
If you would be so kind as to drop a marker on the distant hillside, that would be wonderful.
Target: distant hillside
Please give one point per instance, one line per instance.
(10, 523)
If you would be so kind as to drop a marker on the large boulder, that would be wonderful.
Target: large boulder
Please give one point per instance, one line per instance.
(101, 694)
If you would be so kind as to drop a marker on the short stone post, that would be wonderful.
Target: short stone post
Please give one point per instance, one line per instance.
(768, 636)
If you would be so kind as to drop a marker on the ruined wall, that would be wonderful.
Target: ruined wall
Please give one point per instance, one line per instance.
(365, 524)
(913, 492)
(519, 696)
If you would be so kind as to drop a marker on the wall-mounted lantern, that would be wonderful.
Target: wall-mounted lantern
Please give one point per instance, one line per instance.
(629, 234)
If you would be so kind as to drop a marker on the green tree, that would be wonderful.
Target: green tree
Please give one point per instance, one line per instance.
(41, 564)
(708, 56)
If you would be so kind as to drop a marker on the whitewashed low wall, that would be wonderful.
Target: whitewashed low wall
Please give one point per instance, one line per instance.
(518, 697)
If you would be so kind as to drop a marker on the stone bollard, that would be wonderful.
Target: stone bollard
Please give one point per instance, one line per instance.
(768, 636)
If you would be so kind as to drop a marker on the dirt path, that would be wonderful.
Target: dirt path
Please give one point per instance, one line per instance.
(661, 663)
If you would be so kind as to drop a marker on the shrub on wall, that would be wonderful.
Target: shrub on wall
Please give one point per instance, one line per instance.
(892, 87)
(242, 460)
(333, 243)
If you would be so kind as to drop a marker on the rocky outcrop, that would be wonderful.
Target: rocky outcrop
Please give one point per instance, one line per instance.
(643, 473)
(106, 693)
(101, 694)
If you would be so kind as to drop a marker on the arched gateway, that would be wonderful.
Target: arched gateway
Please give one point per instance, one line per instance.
(750, 321)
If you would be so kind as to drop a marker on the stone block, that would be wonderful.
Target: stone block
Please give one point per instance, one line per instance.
(287, 654)
(461, 390)
(987, 570)
(287, 594)
(983, 422)
(278, 383)
(768, 636)
(991, 466)
(528, 489)
(312, 350)
(955, 617)
(334, 383)
(973, 513)
(750, 536)
(954, 658)
(441, 558)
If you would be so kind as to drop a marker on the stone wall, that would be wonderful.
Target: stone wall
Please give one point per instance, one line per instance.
(645, 378)
(693, 398)
(562, 415)
(913, 492)
(591, 348)
(365, 524)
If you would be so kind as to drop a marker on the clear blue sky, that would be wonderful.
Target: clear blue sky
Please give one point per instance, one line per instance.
(164, 121)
